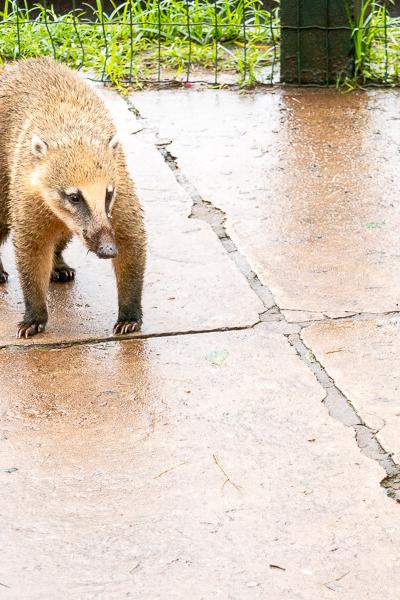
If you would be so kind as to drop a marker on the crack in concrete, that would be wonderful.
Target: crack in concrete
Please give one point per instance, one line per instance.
(216, 219)
(342, 409)
(357, 316)
(338, 405)
(113, 338)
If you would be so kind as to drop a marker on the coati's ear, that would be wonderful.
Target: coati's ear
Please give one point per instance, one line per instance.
(39, 147)
(114, 142)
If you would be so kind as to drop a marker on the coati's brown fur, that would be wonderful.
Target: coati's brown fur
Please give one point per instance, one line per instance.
(63, 172)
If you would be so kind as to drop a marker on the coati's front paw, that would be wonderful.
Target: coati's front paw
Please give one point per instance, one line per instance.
(124, 327)
(129, 319)
(3, 276)
(62, 274)
(29, 328)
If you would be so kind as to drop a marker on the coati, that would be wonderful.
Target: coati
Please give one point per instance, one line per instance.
(63, 172)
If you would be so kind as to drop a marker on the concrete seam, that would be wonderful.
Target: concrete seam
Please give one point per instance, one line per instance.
(216, 219)
(338, 405)
(125, 338)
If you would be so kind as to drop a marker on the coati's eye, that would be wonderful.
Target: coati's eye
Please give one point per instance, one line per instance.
(72, 195)
(74, 198)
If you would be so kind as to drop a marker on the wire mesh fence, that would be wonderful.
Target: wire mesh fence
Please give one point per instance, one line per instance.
(217, 41)
(157, 41)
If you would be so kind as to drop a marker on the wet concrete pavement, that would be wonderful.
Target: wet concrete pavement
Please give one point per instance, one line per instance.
(308, 181)
(185, 467)
(198, 460)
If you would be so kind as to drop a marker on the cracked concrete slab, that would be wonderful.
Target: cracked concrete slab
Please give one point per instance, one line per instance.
(308, 180)
(362, 357)
(195, 466)
(191, 284)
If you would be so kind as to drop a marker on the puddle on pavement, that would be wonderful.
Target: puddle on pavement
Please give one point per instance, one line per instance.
(76, 402)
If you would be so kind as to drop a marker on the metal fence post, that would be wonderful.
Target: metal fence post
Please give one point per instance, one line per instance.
(316, 40)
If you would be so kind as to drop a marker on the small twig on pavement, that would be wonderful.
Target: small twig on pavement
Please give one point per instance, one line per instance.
(342, 576)
(277, 567)
(331, 585)
(227, 478)
(170, 469)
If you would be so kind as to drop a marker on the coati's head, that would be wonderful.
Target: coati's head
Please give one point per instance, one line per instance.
(77, 183)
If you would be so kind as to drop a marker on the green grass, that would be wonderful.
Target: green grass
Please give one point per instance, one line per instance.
(376, 38)
(139, 42)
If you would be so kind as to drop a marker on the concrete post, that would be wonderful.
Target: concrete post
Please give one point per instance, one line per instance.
(316, 44)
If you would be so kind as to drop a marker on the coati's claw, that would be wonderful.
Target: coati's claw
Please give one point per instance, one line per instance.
(63, 274)
(124, 327)
(3, 276)
(28, 329)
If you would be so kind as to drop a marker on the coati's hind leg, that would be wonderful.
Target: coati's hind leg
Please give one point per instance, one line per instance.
(3, 236)
(61, 272)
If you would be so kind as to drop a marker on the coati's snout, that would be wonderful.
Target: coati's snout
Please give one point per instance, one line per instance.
(101, 242)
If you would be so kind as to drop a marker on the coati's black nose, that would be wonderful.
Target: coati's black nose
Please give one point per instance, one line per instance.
(107, 250)
(102, 242)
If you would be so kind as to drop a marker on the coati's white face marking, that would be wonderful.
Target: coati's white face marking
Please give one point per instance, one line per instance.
(71, 191)
(86, 208)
